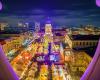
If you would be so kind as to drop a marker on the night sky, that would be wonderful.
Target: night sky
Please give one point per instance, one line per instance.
(61, 12)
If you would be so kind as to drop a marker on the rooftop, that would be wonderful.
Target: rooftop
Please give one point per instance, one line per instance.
(58, 34)
(85, 37)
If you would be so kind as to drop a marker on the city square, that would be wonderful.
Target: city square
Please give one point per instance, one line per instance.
(49, 40)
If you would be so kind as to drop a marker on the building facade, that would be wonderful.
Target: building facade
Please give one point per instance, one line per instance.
(82, 41)
(3, 25)
(12, 43)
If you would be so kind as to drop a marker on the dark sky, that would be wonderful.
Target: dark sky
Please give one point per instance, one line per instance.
(61, 12)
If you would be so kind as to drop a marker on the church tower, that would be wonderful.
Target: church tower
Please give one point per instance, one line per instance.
(48, 36)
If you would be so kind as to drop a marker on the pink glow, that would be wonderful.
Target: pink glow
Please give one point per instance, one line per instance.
(0, 6)
(98, 3)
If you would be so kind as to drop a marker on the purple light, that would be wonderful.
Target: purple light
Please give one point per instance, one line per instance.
(48, 21)
(98, 3)
(6, 71)
(93, 70)
(0, 6)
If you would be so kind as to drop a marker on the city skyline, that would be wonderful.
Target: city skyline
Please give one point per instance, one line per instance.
(49, 39)
(71, 13)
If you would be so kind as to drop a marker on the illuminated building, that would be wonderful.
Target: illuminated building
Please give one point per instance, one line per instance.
(67, 54)
(86, 30)
(37, 26)
(81, 61)
(48, 29)
(3, 25)
(90, 27)
(16, 29)
(82, 41)
(20, 24)
(37, 29)
(12, 43)
(48, 36)
(26, 25)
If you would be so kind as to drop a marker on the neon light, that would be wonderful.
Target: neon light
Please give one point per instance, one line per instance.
(0, 6)
(98, 3)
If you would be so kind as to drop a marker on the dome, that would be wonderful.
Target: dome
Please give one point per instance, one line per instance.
(48, 21)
